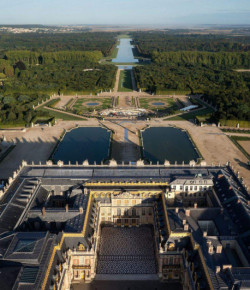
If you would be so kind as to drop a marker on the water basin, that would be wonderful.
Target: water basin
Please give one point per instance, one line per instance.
(168, 143)
(91, 143)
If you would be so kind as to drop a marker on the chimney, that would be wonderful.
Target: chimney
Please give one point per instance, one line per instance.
(185, 228)
(210, 249)
(184, 222)
(195, 205)
(187, 212)
(43, 211)
(66, 207)
(224, 267)
(219, 249)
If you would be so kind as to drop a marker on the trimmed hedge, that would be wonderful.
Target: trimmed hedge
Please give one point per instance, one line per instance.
(233, 123)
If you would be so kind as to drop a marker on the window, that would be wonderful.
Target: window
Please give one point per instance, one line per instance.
(200, 188)
(181, 187)
(134, 211)
(75, 261)
(174, 187)
(143, 211)
(191, 187)
(118, 202)
(118, 211)
(133, 202)
(25, 246)
(126, 201)
(195, 188)
(186, 188)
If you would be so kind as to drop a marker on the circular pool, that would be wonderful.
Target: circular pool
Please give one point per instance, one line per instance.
(158, 104)
(92, 104)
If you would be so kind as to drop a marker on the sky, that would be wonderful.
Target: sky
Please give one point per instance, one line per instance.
(124, 12)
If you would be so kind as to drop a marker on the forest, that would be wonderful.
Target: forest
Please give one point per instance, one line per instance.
(54, 42)
(29, 75)
(198, 64)
(226, 90)
(148, 42)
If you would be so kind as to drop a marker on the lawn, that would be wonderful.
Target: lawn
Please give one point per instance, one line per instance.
(146, 103)
(79, 107)
(125, 82)
(192, 115)
(61, 115)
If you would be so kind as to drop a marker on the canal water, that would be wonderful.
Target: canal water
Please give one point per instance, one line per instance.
(125, 52)
(83, 143)
(167, 143)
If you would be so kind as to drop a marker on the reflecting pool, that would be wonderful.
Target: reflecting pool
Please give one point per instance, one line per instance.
(125, 52)
(168, 143)
(83, 143)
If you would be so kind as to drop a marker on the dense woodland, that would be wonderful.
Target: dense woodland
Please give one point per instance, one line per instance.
(148, 42)
(29, 75)
(46, 42)
(198, 64)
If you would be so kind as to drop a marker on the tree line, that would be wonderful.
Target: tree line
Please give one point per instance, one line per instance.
(148, 42)
(53, 42)
(34, 58)
(227, 90)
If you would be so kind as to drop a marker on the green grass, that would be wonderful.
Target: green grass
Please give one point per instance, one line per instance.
(69, 103)
(146, 103)
(124, 36)
(12, 125)
(192, 115)
(114, 52)
(125, 82)
(61, 115)
(235, 140)
(80, 108)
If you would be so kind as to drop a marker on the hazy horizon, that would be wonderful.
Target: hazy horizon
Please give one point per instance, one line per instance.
(122, 12)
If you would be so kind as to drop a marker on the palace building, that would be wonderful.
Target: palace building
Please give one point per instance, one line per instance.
(169, 227)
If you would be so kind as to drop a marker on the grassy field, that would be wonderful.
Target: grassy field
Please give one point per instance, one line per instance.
(61, 115)
(124, 36)
(80, 108)
(125, 82)
(146, 103)
(192, 115)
